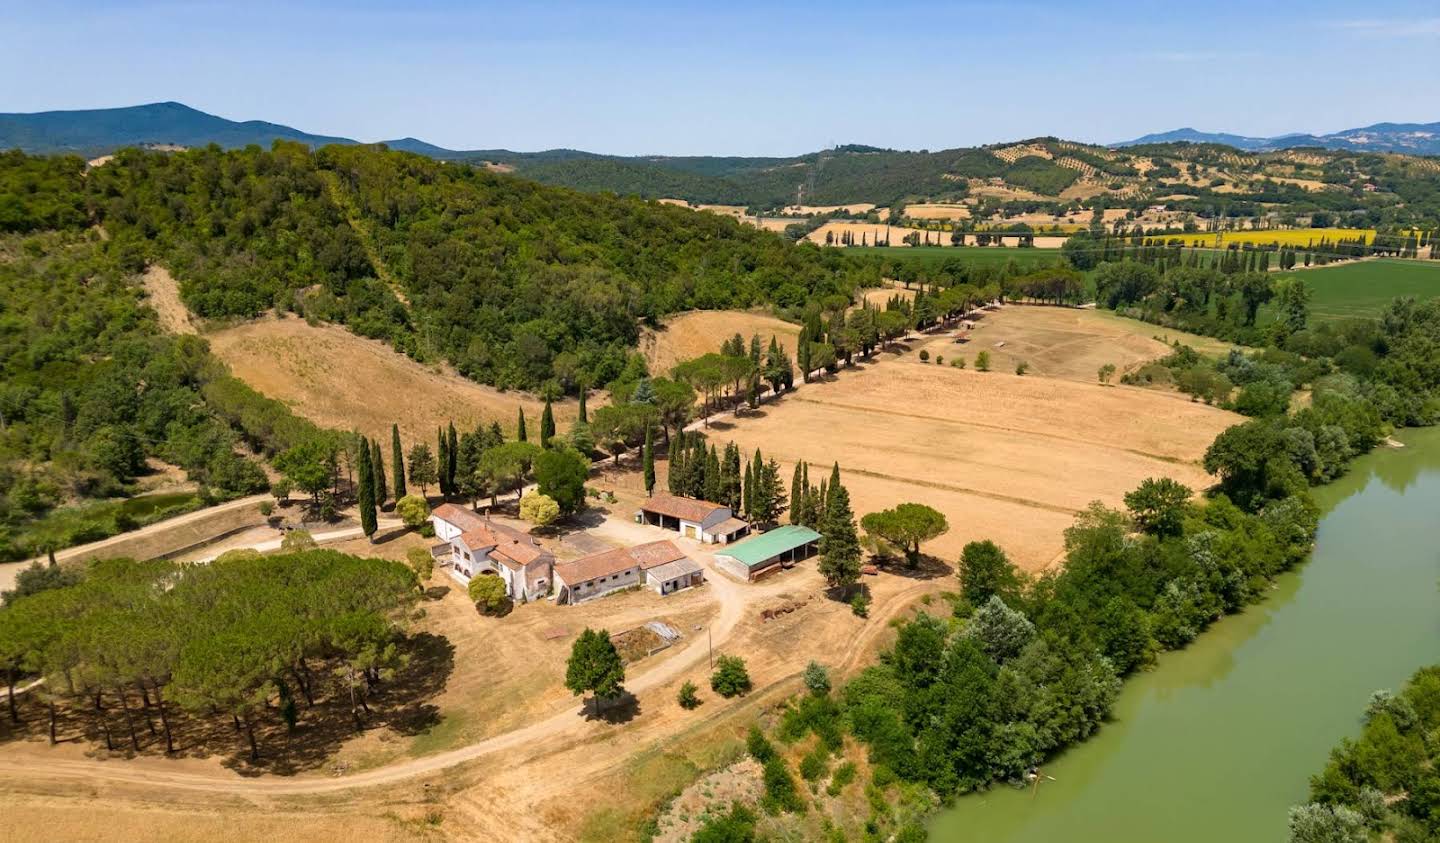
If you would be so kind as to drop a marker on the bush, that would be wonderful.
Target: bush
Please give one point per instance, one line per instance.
(982, 361)
(540, 510)
(281, 489)
(413, 510)
(817, 679)
(297, 540)
(490, 595)
(844, 775)
(735, 827)
(958, 362)
(781, 794)
(924, 356)
(730, 677)
(688, 699)
(815, 765)
(860, 605)
(421, 562)
(1022, 367)
(266, 507)
(759, 746)
(939, 360)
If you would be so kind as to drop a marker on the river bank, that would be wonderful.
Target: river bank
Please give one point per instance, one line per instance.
(1219, 739)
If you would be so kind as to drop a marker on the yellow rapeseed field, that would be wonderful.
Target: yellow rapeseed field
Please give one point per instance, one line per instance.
(1297, 237)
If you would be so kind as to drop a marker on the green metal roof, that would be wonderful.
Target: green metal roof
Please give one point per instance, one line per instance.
(762, 548)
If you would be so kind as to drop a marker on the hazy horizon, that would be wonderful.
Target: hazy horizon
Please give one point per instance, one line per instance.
(748, 79)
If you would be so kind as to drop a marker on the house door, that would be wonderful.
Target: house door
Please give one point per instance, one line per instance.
(691, 532)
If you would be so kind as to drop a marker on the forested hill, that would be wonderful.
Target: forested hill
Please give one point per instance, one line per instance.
(516, 283)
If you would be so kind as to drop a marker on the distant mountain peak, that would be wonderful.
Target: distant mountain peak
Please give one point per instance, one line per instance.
(1409, 138)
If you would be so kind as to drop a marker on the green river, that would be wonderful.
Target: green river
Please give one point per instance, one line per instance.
(1219, 740)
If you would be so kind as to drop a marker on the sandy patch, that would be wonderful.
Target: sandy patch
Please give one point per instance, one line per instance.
(164, 293)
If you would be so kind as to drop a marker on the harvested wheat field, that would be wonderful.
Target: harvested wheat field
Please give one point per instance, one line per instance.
(1005, 457)
(698, 332)
(1071, 343)
(340, 380)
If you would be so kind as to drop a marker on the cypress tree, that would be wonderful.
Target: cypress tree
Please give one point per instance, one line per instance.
(366, 493)
(760, 499)
(442, 462)
(397, 462)
(747, 502)
(711, 488)
(839, 543)
(675, 463)
(377, 468)
(797, 495)
(730, 480)
(584, 416)
(649, 460)
(452, 450)
(520, 428)
(547, 425)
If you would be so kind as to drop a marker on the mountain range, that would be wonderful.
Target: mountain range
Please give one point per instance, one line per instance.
(1408, 138)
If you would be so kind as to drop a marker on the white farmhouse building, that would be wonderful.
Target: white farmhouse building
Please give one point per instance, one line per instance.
(658, 565)
(472, 545)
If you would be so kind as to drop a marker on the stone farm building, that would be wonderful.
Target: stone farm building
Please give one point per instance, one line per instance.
(765, 554)
(472, 544)
(694, 519)
(658, 565)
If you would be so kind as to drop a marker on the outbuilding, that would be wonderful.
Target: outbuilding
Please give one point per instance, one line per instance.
(703, 521)
(659, 565)
(769, 552)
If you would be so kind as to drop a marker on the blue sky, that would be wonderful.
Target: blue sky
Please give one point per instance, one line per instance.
(744, 78)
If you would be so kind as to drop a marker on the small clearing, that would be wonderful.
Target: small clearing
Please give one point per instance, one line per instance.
(698, 332)
(164, 293)
(341, 380)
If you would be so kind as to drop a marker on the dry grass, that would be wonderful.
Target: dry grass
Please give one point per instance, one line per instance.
(698, 332)
(340, 380)
(164, 293)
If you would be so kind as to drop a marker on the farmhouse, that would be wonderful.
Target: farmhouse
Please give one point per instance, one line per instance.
(659, 565)
(694, 519)
(765, 554)
(471, 545)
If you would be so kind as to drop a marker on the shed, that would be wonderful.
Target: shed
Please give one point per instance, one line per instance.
(769, 552)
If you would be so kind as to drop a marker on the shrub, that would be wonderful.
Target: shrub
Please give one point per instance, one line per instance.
(688, 698)
(266, 507)
(939, 360)
(490, 596)
(736, 826)
(958, 362)
(1022, 367)
(1106, 372)
(540, 510)
(815, 765)
(982, 361)
(924, 356)
(860, 605)
(781, 794)
(413, 510)
(421, 562)
(730, 677)
(297, 540)
(759, 746)
(844, 775)
(817, 679)
(281, 489)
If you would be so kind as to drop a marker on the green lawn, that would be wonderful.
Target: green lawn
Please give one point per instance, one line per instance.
(970, 254)
(1364, 289)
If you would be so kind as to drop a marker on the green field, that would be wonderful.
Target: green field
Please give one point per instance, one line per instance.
(1364, 289)
(988, 255)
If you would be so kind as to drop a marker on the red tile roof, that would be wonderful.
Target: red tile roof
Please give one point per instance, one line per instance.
(506, 545)
(643, 556)
(686, 509)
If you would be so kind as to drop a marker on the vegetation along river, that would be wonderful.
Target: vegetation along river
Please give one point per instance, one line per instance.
(1219, 740)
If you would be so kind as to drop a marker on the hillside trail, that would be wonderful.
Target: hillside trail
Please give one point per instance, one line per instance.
(364, 233)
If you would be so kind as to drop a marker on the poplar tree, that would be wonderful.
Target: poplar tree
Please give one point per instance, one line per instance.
(547, 425)
(649, 461)
(398, 459)
(366, 493)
